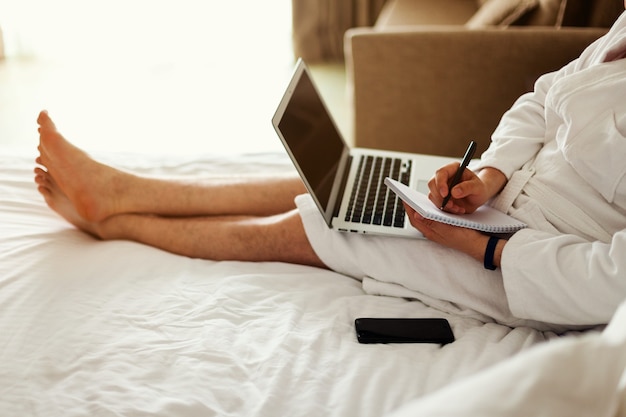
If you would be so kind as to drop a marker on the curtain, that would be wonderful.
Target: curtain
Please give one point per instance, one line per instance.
(319, 25)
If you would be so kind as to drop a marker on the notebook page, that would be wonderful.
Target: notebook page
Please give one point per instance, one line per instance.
(485, 218)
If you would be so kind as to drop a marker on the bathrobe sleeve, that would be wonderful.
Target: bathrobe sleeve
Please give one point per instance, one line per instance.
(564, 278)
(522, 130)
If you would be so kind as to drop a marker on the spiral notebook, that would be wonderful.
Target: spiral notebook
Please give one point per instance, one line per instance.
(485, 218)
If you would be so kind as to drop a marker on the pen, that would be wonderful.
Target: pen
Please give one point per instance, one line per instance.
(469, 154)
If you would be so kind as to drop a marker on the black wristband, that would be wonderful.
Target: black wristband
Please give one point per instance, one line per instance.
(489, 252)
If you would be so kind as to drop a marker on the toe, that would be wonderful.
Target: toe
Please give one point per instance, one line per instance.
(45, 122)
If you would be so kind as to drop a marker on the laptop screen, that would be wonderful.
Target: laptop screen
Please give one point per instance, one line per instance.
(312, 138)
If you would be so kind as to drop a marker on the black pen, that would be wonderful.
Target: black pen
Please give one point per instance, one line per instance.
(469, 154)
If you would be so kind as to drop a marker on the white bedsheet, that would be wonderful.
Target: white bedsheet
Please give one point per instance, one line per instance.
(121, 329)
(574, 377)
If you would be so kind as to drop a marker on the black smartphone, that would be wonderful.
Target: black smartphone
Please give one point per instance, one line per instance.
(393, 330)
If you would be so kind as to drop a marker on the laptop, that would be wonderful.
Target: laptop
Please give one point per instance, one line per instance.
(346, 183)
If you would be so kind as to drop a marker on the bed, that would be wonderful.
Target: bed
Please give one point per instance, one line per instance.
(121, 329)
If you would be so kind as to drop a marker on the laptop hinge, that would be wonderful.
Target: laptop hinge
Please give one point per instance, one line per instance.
(342, 188)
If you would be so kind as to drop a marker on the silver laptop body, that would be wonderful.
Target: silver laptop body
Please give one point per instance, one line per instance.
(346, 183)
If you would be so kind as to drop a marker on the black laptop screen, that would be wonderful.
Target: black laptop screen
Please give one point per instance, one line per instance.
(312, 138)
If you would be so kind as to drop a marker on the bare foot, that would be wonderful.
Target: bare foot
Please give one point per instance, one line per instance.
(59, 202)
(74, 179)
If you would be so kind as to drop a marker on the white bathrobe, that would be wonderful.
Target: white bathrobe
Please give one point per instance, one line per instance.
(563, 149)
(574, 377)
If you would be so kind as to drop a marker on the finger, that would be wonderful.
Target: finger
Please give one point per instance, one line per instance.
(408, 209)
(439, 183)
(470, 184)
(428, 228)
(411, 213)
(420, 223)
(454, 207)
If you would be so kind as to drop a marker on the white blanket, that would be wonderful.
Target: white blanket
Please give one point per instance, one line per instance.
(418, 269)
(574, 377)
(117, 328)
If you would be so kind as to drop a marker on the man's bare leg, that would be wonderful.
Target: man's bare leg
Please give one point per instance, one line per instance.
(98, 191)
(279, 237)
(252, 220)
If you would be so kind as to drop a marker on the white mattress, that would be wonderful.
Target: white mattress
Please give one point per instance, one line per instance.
(121, 329)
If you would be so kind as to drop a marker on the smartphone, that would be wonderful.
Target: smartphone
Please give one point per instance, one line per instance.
(394, 330)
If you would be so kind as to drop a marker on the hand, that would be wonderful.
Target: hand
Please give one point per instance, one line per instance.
(471, 192)
(469, 241)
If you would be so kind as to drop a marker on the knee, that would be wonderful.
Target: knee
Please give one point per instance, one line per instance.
(285, 233)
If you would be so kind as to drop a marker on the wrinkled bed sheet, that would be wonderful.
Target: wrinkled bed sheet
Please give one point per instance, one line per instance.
(121, 329)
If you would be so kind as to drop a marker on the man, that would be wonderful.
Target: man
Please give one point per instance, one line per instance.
(557, 162)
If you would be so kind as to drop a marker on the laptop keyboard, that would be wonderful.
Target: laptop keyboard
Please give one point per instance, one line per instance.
(371, 202)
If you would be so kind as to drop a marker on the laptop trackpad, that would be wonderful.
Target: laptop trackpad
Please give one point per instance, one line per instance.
(422, 186)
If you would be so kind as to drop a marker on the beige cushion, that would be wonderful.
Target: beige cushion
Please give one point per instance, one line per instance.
(501, 12)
